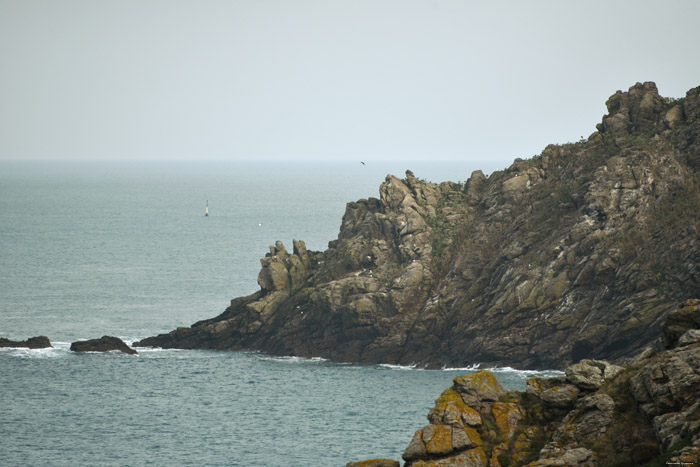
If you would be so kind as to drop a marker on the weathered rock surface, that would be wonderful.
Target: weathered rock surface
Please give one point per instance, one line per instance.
(575, 253)
(38, 342)
(103, 344)
(598, 414)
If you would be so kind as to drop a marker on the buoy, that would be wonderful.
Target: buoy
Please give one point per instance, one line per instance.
(206, 210)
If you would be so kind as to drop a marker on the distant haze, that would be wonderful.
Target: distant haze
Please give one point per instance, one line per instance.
(365, 80)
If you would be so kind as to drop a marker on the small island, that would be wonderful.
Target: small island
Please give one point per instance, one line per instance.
(38, 342)
(103, 344)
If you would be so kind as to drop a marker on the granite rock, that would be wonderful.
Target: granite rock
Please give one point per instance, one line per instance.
(103, 344)
(38, 342)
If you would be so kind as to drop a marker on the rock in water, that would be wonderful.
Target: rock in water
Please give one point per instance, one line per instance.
(38, 342)
(103, 344)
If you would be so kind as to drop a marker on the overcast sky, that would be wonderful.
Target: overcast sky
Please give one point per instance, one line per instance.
(286, 79)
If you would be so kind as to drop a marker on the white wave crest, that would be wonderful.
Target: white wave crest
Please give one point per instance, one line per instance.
(473, 367)
(24, 352)
(289, 359)
(390, 366)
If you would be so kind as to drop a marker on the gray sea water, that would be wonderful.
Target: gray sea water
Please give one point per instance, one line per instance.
(98, 248)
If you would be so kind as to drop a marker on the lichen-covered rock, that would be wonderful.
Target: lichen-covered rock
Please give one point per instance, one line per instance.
(477, 387)
(472, 458)
(450, 409)
(103, 344)
(642, 413)
(507, 416)
(441, 440)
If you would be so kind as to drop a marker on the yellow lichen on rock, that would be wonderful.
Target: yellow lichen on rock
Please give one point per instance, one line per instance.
(507, 416)
(466, 437)
(496, 452)
(438, 439)
(450, 409)
(479, 386)
(524, 444)
(472, 458)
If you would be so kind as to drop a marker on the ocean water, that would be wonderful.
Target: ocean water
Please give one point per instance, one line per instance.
(90, 249)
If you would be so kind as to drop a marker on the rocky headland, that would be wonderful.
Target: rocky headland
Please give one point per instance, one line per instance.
(646, 413)
(103, 344)
(578, 252)
(38, 342)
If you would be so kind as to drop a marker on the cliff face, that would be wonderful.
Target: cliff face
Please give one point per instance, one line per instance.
(574, 253)
(597, 414)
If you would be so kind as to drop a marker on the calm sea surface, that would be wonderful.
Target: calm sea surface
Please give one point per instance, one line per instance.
(88, 249)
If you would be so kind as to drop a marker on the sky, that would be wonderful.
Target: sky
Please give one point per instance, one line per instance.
(328, 79)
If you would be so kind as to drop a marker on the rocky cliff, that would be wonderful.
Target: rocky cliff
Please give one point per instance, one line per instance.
(597, 414)
(574, 253)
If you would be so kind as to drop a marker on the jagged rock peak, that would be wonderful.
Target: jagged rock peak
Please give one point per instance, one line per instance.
(642, 111)
(282, 272)
(635, 111)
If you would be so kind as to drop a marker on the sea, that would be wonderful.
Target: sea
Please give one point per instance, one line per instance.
(93, 248)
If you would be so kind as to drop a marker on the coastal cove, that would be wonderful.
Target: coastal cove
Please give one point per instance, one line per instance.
(92, 249)
(182, 407)
(583, 258)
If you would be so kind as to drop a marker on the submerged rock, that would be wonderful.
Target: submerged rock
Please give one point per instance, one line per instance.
(38, 342)
(103, 344)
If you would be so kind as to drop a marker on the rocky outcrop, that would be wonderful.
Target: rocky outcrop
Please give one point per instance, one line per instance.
(38, 342)
(597, 414)
(575, 253)
(103, 344)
